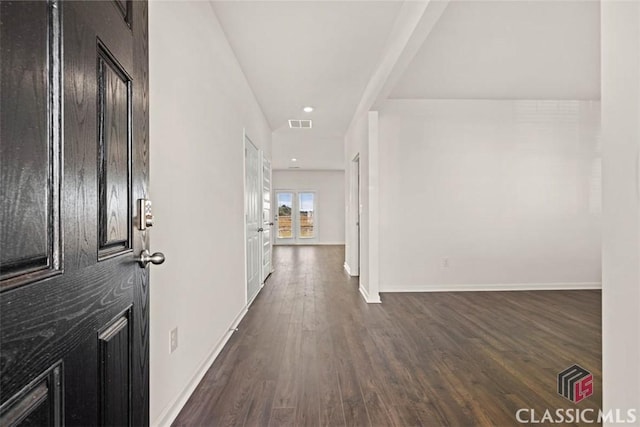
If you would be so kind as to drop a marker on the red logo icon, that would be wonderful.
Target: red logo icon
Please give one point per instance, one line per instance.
(575, 383)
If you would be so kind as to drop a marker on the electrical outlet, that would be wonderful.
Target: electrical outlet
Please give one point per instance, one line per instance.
(174, 339)
(445, 262)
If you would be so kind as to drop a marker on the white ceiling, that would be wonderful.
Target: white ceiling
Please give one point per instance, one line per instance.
(324, 54)
(509, 50)
(297, 53)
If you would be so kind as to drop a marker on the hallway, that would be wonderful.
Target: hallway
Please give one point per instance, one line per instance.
(311, 352)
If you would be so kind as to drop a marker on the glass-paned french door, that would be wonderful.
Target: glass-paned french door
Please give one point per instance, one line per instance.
(296, 217)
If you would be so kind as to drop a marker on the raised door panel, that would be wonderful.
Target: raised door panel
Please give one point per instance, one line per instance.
(29, 142)
(38, 404)
(125, 9)
(114, 125)
(115, 377)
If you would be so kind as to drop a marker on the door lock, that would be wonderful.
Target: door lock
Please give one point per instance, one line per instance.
(146, 258)
(145, 217)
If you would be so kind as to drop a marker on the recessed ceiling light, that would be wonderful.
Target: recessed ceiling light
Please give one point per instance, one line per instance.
(294, 160)
(307, 109)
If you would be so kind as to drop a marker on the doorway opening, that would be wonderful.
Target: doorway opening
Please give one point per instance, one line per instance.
(356, 211)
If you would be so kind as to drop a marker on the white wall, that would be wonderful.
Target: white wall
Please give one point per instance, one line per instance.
(311, 150)
(329, 188)
(200, 103)
(621, 205)
(506, 192)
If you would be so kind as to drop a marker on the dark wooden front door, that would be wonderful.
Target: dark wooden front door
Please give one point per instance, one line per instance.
(73, 162)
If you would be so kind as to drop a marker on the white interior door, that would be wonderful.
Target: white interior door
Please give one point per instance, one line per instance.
(253, 215)
(296, 217)
(267, 220)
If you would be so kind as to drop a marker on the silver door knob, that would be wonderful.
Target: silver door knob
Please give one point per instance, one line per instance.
(146, 258)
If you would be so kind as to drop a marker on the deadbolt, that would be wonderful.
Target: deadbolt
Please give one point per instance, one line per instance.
(145, 217)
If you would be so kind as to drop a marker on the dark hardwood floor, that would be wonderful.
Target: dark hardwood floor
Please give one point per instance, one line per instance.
(311, 352)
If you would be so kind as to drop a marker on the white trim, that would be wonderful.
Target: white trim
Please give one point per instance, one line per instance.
(374, 205)
(169, 415)
(256, 295)
(347, 268)
(479, 287)
(368, 298)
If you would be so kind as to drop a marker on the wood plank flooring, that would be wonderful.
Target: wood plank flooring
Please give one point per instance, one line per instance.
(311, 352)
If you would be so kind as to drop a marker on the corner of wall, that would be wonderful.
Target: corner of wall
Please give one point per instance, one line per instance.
(369, 298)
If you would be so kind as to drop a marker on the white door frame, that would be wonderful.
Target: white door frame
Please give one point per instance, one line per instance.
(295, 219)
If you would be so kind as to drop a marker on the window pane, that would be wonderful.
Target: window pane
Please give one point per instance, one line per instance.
(285, 209)
(306, 215)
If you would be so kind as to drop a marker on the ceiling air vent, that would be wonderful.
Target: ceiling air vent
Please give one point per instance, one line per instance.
(300, 124)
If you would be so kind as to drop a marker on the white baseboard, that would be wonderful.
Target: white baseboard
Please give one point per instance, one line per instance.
(368, 298)
(347, 268)
(255, 296)
(349, 271)
(479, 287)
(169, 415)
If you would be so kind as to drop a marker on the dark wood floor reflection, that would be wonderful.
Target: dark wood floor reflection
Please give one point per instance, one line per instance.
(312, 352)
